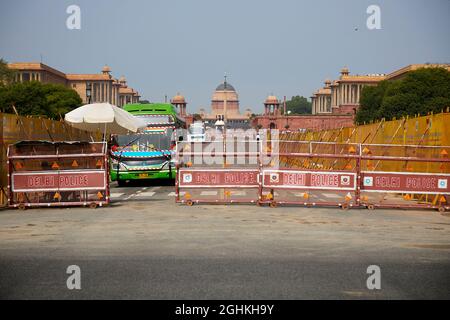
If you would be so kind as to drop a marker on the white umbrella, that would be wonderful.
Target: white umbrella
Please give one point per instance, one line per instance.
(103, 117)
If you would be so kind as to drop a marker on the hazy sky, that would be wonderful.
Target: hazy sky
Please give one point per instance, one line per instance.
(285, 47)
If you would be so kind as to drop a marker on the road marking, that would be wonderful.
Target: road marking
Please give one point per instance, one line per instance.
(146, 194)
(116, 194)
(172, 194)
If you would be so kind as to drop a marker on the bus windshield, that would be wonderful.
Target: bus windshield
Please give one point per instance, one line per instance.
(154, 141)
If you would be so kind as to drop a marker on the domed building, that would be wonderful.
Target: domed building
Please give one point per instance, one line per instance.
(180, 103)
(225, 104)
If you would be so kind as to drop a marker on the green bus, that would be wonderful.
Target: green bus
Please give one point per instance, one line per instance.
(148, 154)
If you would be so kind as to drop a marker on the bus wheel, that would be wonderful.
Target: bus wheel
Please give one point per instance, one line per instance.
(92, 205)
(370, 207)
(273, 204)
(121, 183)
(22, 206)
(189, 203)
(345, 206)
(441, 209)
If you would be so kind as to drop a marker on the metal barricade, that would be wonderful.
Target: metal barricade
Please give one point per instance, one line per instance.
(58, 174)
(420, 180)
(217, 172)
(308, 173)
(311, 174)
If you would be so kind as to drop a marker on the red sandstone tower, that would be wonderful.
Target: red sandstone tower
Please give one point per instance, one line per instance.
(272, 106)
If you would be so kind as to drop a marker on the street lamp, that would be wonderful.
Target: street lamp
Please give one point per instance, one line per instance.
(88, 92)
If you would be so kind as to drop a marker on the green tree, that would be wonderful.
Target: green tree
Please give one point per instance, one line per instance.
(370, 102)
(35, 98)
(299, 105)
(6, 74)
(420, 92)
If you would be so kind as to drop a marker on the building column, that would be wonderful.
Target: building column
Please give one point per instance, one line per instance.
(346, 94)
(358, 93)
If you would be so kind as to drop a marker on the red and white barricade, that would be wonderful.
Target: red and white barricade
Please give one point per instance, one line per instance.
(308, 173)
(311, 174)
(58, 174)
(212, 172)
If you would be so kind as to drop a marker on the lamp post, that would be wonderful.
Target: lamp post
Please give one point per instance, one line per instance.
(225, 103)
(88, 92)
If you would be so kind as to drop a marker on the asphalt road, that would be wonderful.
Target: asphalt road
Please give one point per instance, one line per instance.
(144, 246)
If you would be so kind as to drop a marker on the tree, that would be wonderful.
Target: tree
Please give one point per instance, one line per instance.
(420, 92)
(370, 102)
(6, 74)
(35, 98)
(299, 105)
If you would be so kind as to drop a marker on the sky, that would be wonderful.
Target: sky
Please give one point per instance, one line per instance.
(281, 47)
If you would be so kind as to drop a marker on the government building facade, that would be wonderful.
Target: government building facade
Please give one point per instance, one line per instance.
(342, 96)
(103, 86)
(334, 105)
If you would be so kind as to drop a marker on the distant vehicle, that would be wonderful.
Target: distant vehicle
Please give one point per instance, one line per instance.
(220, 126)
(196, 132)
(150, 154)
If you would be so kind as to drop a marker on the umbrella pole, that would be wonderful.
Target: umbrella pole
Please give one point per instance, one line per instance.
(104, 133)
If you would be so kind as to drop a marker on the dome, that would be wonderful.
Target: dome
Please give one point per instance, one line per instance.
(344, 70)
(106, 69)
(122, 79)
(178, 99)
(225, 87)
(271, 100)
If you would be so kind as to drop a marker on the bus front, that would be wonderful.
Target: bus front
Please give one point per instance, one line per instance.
(145, 155)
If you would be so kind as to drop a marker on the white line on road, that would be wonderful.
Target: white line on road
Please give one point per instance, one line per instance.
(116, 194)
(146, 194)
(172, 194)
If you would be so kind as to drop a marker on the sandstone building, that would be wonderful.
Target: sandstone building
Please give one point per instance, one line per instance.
(103, 86)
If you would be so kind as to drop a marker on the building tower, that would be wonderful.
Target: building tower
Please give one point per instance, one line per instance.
(180, 103)
(106, 70)
(272, 106)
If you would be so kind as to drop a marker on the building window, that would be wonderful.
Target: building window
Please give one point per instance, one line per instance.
(25, 77)
(74, 85)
